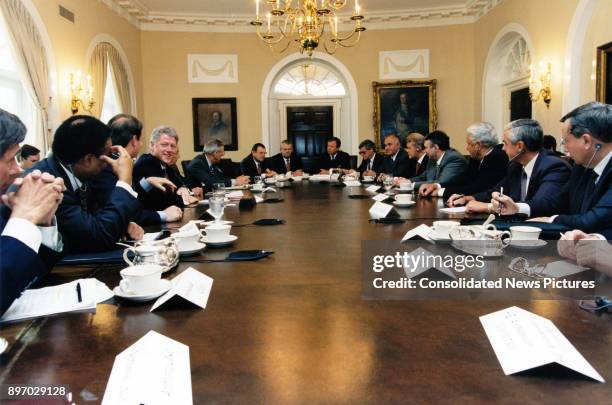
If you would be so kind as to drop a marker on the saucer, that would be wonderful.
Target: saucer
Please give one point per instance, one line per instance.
(222, 222)
(436, 238)
(164, 286)
(228, 241)
(404, 205)
(192, 250)
(528, 244)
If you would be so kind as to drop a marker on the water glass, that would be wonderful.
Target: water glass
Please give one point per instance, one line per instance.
(216, 206)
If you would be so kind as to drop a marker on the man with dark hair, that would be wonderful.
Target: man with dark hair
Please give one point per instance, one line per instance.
(445, 166)
(27, 224)
(255, 163)
(286, 161)
(585, 201)
(81, 150)
(549, 143)
(126, 131)
(396, 162)
(371, 162)
(334, 158)
(204, 169)
(533, 178)
(28, 156)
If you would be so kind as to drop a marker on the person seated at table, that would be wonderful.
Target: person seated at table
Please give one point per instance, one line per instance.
(158, 163)
(28, 156)
(396, 162)
(445, 166)
(533, 178)
(29, 239)
(286, 161)
(371, 162)
(255, 164)
(415, 148)
(126, 131)
(334, 158)
(81, 149)
(204, 169)
(487, 164)
(549, 143)
(585, 201)
(588, 250)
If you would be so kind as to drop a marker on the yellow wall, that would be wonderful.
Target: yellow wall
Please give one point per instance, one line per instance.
(168, 94)
(547, 23)
(599, 33)
(70, 41)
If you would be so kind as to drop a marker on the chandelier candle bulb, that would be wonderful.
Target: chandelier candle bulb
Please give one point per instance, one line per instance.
(257, 9)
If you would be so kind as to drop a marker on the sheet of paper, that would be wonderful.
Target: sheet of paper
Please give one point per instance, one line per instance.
(190, 226)
(53, 300)
(523, 340)
(191, 285)
(453, 210)
(103, 293)
(441, 192)
(373, 188)
(154, 370)
(417, 264)
(380, 210)
(380, 197)
(258, 199)
(150, 236)
(562, 268)
(421, 230)
(352, 183)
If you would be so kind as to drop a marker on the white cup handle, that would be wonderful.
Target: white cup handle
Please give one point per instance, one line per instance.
(126, 258)
(125, 286)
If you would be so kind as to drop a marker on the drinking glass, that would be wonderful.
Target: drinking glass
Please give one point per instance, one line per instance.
(218, 187)
(257, 179)
(216, 205)
(388, 183)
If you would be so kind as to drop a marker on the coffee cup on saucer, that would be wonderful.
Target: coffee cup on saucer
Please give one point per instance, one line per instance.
(187, 239)
(217, 232)
(406, 186)
(525, 232)
(141, 279)
(368, 179)
(403, 198)
(442, 229)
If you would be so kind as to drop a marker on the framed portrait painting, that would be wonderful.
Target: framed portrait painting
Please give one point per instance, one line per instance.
(604, 73)
(404, 107)
(214, 118)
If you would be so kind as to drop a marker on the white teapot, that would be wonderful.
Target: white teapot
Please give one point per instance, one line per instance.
(164, 253)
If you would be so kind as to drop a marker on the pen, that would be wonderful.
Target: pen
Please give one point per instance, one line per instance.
(501, 194)
(78, 289)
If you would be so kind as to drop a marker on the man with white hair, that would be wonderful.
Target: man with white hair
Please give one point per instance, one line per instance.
(487, 164)
(204, 169)
(159, 163)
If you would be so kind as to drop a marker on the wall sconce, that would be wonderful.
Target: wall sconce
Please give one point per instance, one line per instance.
(541, 90)
(80, 97)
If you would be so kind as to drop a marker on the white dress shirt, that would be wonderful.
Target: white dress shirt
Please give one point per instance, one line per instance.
(524, 208)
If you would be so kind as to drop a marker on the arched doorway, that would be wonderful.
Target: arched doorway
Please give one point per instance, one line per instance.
(506, 77)
(317, 89)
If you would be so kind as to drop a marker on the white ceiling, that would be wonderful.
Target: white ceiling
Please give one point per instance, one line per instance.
(241, 7)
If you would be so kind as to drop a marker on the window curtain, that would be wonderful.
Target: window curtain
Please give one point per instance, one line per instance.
(104, 54)
(32, 59)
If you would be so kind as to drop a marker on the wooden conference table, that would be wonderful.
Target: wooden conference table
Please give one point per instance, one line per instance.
(293, 328)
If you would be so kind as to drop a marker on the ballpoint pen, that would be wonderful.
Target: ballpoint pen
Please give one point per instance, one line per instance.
(78, 291)
(501, 194)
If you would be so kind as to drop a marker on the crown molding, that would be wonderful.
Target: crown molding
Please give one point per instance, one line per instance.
(147, 20)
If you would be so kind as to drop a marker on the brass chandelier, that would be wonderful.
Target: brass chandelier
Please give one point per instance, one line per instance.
(305, 24)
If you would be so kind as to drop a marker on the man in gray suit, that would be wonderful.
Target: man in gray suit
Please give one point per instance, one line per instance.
(445, 166)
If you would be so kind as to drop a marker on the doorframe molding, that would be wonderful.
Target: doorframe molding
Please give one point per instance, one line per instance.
(509, 87)
(335, 103)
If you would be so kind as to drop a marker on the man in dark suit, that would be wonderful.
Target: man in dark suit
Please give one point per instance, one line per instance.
(126, 131)
(160, 163)
(550, 144)
(286, 161)
(585, 202)
(415, 148)
(255, 164)
(487, 164)
(334, 158)
(204, 169)
(396, 162)
(445, 166)
(27, 221)
(533, 178)
(371, 162)
(81, 149)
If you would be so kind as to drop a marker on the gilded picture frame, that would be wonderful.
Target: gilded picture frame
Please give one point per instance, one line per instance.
(604, 74)
(404, 106)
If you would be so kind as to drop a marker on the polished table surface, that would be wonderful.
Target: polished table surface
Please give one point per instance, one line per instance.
(293, 328)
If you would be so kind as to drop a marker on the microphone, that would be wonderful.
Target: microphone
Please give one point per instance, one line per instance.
(517, 155)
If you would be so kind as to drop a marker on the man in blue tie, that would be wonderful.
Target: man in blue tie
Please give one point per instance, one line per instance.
(27, 221)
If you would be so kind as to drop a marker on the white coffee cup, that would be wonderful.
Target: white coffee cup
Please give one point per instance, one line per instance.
(525, 232)
(217, 232)
(406, 186)
(403, 198)
(368, 178)
(187, 239)
(141, 279)
(443, 228)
